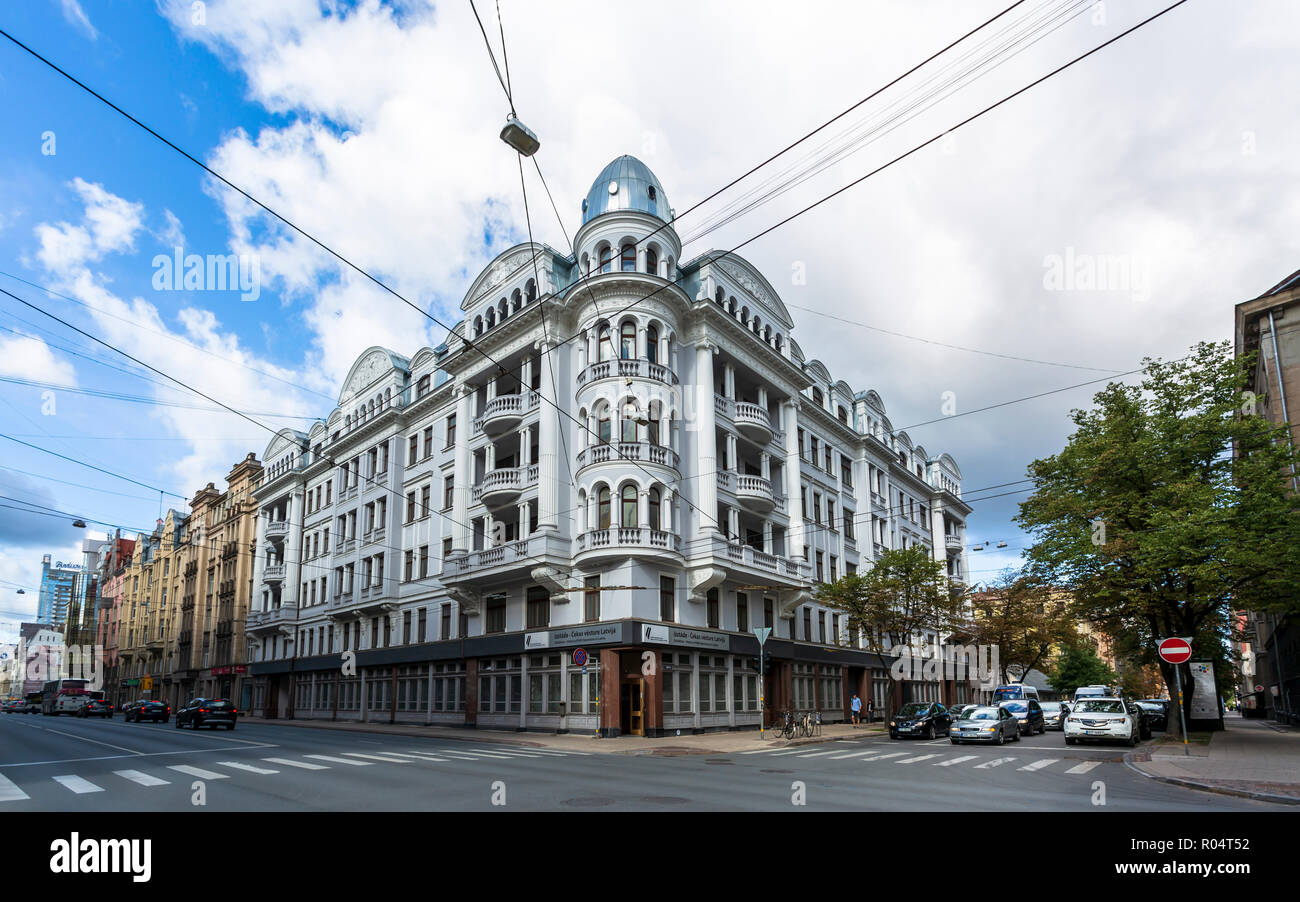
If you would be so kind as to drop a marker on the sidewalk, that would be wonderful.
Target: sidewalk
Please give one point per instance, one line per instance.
(718, 743)
(1256, 759)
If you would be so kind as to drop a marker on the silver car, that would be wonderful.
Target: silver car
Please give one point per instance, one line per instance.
(1054, 714)
(990, 723)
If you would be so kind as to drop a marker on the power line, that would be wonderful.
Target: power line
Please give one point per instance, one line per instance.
(92, 466)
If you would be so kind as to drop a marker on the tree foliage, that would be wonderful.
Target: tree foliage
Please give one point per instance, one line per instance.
(1168, 507)
(1079, 665)
(1019, 616)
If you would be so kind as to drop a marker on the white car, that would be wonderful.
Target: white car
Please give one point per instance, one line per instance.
(1101, 720)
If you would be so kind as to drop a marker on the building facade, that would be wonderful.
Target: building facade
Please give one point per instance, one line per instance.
(615, 451)
(1269, 326)
(60, 582)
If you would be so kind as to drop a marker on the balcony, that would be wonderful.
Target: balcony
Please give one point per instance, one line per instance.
(273, 573)
(277, 529)
(626, 369)
(757, 559)
(753, 493)
(642, 452)
(500, 487)
(505, 412)
(625, 540)
(506, 561)
(274, 620)
(754, 422)
(953, 543)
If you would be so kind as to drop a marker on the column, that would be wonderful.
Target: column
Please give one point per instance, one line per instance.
(793, 481)
(732, 454)
(259, 556)
(491, 391)
(729, 381)
(488, 537)
(641, 349)
(464, 474)
(526, 374)
(640, 259)
(765, 465)
(767, 536)
(706, 438)
(293, 549)
(523, 520)
(643, 510)
(524, 447)
(733, 523)
(548, 446)
(762, 396)
(489, 457)
(669, 506)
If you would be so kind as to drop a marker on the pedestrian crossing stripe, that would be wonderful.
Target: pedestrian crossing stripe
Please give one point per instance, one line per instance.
(333, 760)
(239, 765)
(142, 778)
(886, 755)
(376, 757)
(996, 762)
(77, 784)
(1083, 768)
(916, 759)
(9, 791)
(305, 765)
(852, 755)
(1039, 765)
(198, 772)
(958, 760)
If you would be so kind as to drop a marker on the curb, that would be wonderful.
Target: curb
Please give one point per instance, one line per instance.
(1208, 787)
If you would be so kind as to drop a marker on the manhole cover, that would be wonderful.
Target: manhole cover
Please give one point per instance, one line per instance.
(589, 802)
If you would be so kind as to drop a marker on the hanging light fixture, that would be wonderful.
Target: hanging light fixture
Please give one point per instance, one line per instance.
(520, 137)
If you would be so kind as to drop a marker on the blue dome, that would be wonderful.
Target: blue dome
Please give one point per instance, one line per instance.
(636, 188)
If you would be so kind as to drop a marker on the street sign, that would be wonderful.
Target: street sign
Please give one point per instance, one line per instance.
(1259, 688)
(146, 683)
(762, 633)
(1175, 650)
(580, 657)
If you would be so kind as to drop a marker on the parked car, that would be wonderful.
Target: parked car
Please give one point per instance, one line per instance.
(1102, 720)
(928, 719)
(146, 709)
(208, 712)
(956, 712)
(13, 706)
(985, 723)
(1157, 710)
(1145, 717)
(1054, 714)
(1030, 714)
(96, 707)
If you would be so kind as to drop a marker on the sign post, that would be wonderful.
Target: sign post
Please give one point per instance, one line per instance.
(762, 633)
(1176, 651)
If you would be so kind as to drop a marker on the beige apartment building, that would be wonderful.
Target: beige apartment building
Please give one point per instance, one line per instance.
(148, 614)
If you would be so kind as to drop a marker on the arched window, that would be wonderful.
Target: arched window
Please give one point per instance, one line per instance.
(778, 341)
(653, 502)
(627, 341)
(530, 291)
(744, 315)
(478, 325)
(652, 423)
(503, 309)
(652, 344)
(629, 505)
(606, 259)
(603, 425)
(731, 306)
(491, 317)
(602, 508)
(767, 334)
(629, 258)
(631, 413)
(817, 394)
(516, 300)
(604, 344)
(718, 295)
(652, 262)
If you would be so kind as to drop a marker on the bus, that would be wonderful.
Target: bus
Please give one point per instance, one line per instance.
(64, 696)
(1014, 692)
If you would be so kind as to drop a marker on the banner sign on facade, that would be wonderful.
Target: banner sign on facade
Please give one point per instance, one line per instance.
(596, 634)
(672, 635)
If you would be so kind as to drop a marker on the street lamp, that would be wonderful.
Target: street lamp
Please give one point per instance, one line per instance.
(520, 137)
(80, 524)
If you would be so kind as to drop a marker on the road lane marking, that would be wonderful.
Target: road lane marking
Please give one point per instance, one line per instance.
(958, 760)
(332, 760)
(9, 791)
(198, 772)
(886, 755)
(1039, 765)
(916, 759)
(459, 756)
(120, 748)
(787, 752)
(305, 765)
(77, 784)
(239, 765)
(1083, 768)
(819, 754)
(418, 757)
(996, 762)
(142, 778)
(376, 757)
(853, 755)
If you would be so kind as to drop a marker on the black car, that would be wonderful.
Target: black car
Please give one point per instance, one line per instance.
(1157, 711)
(927, 719)
(1146, 717)
(208, 712)
(146, 709)
(96, 707)
(1029, 713)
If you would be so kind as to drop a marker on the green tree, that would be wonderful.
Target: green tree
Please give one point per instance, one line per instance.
(1018, 616)
(1079, 665)
(1168, 508)
(904, 594)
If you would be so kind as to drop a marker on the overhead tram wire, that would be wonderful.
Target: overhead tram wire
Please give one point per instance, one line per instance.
(761, 234)
(82, 463)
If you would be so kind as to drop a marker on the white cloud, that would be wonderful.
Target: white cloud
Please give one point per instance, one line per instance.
(73, 12)
(110, 225)
(28, 357)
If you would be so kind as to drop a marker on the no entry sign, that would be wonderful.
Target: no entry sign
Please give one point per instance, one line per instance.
(1175, 651)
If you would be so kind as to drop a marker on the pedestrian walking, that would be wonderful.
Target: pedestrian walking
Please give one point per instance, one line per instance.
(856, 707)
(871, 707)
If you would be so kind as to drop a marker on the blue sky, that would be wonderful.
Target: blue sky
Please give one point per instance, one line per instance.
(375, 127)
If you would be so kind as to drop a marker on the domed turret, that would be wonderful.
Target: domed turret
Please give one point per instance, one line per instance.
(626, 184)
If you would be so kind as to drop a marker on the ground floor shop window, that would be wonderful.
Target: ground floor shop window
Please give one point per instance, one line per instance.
(677, 677)
(302, 697)
(324, 694)
(832, 690)
(744, 687)
(713, 683)
(413, 687)
(879, 688)
(350, 694)
(803, 685)
(580, 701)
(379, 689)
(544, 686)
(449, 686)
(500, 686)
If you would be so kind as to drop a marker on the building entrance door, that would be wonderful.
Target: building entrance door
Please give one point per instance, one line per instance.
(632, 706)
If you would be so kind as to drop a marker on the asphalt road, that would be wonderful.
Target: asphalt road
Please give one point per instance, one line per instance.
(70, 764)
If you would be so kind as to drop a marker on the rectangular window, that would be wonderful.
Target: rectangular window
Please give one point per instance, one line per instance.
(591, 599)
(495, 615)
(667, 599)
(406, 627)
(444, 626)
(539, 608)
(423, 623)
(769, 613)
(412, 449)
(424, 501)
(451, 430)
(410, 507)
(424, 561)
(448, 492)
(711, 608)
(742, 612)
(428, 441)
(807, 624)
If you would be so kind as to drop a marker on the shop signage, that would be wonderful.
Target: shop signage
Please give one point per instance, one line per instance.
(672, 635)
(596, 634)
(1205, 696)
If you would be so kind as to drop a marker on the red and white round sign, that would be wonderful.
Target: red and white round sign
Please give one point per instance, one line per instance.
(1175, 651)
